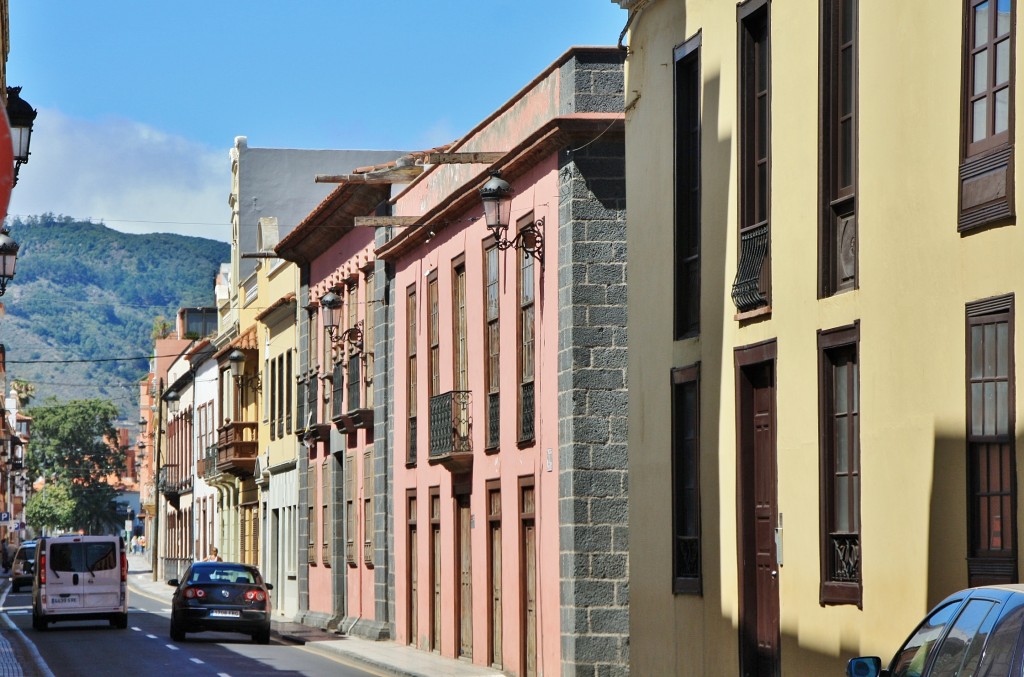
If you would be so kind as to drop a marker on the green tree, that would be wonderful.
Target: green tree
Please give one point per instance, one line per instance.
(74, 444)
(52, 508)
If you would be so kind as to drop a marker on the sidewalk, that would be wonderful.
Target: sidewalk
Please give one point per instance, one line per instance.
(389, 657)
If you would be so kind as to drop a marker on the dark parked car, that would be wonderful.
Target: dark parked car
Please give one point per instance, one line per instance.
(974, 632)
(221, 596)
(21, 566)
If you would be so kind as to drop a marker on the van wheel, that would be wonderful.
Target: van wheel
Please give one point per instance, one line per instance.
(119, 621)
(39, 623)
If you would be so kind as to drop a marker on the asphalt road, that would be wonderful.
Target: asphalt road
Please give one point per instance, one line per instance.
(88, 648)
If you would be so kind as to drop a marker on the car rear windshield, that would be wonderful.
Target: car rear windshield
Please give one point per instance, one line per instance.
(83, 557)
(222, 575)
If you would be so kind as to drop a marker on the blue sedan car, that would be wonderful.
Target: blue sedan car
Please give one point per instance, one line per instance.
(977, 632)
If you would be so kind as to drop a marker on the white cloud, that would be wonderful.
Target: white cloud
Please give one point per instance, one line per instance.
(132, 177)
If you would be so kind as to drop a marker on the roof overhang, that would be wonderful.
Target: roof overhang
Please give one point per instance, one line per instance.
(564, 131)
(330, 220)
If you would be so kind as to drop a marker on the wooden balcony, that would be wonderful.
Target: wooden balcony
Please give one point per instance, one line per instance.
(451, 443)
(237, 447)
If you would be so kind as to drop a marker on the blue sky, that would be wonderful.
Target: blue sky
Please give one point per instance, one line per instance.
(140, 101)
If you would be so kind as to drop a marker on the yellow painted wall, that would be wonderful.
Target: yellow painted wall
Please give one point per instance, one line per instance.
(916, 274)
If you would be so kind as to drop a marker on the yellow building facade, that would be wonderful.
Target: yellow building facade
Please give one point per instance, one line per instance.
(823, 428)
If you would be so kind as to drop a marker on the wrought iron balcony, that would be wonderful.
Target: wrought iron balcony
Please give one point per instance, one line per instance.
(209, 461)
(236, 448)
(167, 482)
(746, 288)
(451, 443)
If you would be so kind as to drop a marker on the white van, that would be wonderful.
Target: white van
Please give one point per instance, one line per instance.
(80, 578)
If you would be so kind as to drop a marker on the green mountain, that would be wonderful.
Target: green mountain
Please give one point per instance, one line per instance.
(78, 316)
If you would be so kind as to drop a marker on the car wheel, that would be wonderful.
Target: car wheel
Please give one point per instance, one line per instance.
(15, 588)
(177, 633)
(262, 636)
(119, 621)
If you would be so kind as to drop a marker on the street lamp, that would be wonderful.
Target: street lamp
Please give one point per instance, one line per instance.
(236, 359)
(21, 116)
(331, 303)
(496, 195)
(173, 399)
(8, 258)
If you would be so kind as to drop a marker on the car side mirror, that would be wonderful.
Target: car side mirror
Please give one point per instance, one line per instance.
(173, 582)
(270, 586)
(864, 666)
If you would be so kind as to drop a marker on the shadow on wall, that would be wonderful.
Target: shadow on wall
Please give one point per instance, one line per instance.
(947, 520)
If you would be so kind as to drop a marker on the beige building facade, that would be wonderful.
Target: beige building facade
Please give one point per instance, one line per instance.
(823, 421)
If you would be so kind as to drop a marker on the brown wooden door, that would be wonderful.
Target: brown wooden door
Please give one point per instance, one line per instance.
(759, 570)
(529, 599)
(495, 648)
(413, 587)
(465, 550)
(435, 580)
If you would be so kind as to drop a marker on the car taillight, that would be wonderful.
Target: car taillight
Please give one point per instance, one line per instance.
(194, 593)
(42, 569)
(255, 595)
(124, 566)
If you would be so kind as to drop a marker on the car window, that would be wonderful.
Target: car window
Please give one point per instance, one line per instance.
(910, 660)
(100, 556)
(1001, 646)
(83, 557)
(960, 651)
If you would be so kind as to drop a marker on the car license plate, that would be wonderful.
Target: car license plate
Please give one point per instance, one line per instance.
(225, 613)
(64, 600)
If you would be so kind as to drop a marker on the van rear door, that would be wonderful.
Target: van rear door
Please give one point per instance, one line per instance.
(101, 574)
(65, 585)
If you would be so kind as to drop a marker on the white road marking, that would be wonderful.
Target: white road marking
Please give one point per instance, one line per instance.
(196, 660)
(172, 647)
(151, 636)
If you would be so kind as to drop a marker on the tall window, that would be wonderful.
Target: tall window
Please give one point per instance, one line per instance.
(311, 507)
(368, 339)
(325, 505)
(687, 236)
(839, 464)
(434, 334)
(410, 342)
(986, 128)
(752, 287)
(991, 465)
(686, 550)
(526, 345)
(492, 338)
(838, 221)
(355, 381)
(460, 330)
(350, 509)
(368, 508)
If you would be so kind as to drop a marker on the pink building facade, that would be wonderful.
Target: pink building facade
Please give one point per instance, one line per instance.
(509, 433)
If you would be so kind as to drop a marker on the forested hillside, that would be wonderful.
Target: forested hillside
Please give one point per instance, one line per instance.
(79, 313)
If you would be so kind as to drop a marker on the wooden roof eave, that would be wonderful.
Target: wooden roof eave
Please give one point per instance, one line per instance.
(330, 220)
(557, 133)
(286, 303)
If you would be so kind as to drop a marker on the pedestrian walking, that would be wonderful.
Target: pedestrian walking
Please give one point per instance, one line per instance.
(6, 555)
(214, 556)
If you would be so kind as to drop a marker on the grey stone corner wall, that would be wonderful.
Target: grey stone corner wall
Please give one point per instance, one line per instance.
(593, 486)
(592, 82)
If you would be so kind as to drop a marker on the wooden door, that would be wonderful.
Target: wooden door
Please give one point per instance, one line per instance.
(435, 573)
(465, 550)
(413, 586)
(528, 576)
(494, 510)
(759, 570)
(529, 598)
